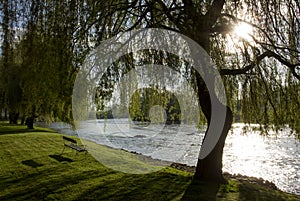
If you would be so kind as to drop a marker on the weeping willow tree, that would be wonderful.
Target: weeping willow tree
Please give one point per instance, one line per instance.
(8, 81)
(255, 45)
(39, 63)
(263, 63)
(260, 68)
(47, 56)
(142, 103)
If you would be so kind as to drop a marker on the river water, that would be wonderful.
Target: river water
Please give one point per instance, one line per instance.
(275, 157)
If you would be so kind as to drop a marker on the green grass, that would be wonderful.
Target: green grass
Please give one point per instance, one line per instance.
(31, 168)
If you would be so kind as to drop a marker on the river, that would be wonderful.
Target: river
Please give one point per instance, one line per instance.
(275, 157)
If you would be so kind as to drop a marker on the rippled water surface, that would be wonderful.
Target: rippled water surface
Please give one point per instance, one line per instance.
(275, 158)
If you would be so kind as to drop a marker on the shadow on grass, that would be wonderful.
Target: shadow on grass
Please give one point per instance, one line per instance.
(31, 163)
(251, 191)
(60, 158)
(38, 186)
(247, 191)
(201, 190)
(100, 184)
(159, 186)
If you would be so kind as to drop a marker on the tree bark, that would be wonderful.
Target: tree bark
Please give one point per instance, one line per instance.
(5, 114)
(210, 168)
(29, 122)
(13, 117)
(23, 119)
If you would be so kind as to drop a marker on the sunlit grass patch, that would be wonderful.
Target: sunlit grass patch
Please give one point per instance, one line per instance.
(32, 169)
(124, 161)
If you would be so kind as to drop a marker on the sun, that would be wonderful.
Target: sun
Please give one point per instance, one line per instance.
(244, 31)
(241, 32)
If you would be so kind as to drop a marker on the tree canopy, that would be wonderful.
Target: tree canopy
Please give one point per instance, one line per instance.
(44, 43)
(254, 43)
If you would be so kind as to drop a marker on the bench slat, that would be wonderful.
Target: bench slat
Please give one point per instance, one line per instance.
(77, 148)
(70, 139)
(72, 143)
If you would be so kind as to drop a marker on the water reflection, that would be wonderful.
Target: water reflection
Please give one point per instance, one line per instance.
(275, 157)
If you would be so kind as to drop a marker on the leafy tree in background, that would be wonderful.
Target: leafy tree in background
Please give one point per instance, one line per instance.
(260, 70)
(144, 99)
(43, 46)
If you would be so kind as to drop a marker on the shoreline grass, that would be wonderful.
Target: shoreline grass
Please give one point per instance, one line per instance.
(32, 168)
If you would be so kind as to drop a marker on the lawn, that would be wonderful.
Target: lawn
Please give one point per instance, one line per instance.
(32, 168)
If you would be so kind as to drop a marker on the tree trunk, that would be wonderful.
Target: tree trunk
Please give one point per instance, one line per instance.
(210, 168)
(13, 117)
(29, 122)
(5, 114)
(23, 119)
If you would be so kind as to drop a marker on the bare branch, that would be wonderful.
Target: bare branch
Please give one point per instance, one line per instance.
(167, 12)
(246, 68)
(143, 15)
(221, 29)
(268, 53)
(214, 12)
(285, 62)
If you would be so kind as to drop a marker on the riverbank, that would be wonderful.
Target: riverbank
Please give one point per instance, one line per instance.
(274, 157)
(32, 168)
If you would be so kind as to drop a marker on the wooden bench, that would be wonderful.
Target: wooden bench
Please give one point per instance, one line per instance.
(72, 143)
